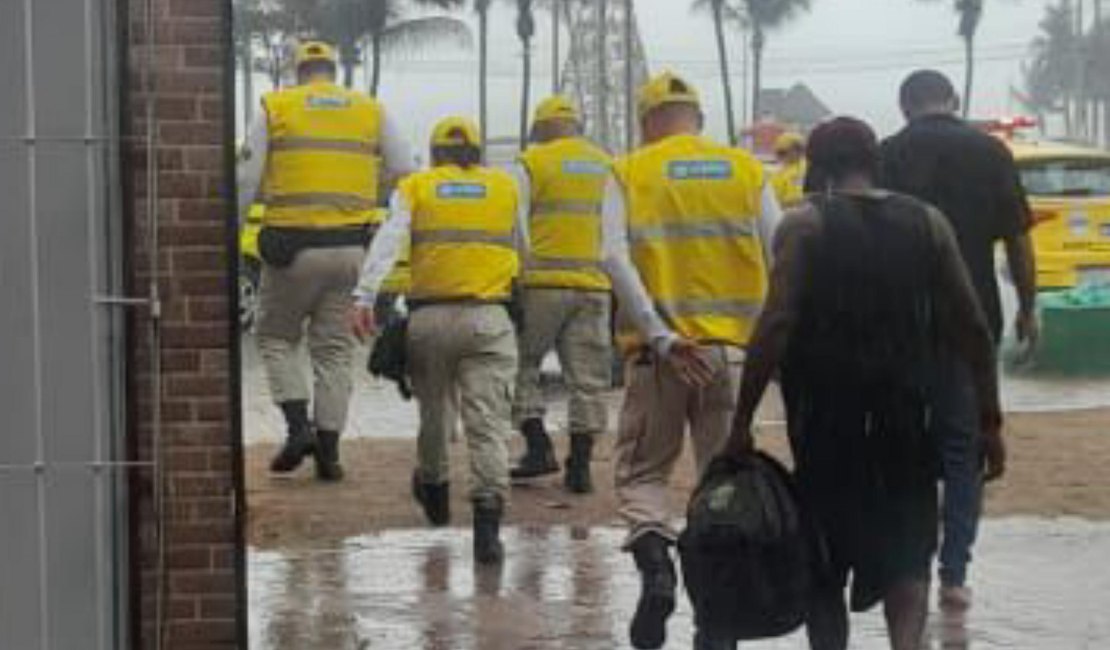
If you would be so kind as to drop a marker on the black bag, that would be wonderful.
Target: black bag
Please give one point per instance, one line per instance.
(746, 550)
(389, 358)
(279, 247)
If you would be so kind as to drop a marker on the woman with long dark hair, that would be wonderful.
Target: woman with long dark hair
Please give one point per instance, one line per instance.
(868, 299)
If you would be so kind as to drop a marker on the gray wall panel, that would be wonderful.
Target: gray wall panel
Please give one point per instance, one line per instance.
(60, 66)
(64, 302)
(19, 573)
(72, 559)
(17, 429)
(12, 65)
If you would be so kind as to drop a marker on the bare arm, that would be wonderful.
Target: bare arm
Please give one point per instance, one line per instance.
(964, 326)
(772, 332)
(1023, 269)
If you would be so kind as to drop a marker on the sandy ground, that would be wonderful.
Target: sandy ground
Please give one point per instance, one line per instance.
(1058, 467)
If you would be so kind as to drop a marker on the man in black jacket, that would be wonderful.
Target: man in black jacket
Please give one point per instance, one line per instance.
(971, 177)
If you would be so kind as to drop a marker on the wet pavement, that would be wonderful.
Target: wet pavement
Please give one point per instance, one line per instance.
(377, 410)
(1040, 584)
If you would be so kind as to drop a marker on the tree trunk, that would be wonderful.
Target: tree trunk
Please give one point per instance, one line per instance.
(556, 64)
(757, 71)
(525, 93)
(745, 65)
(483, 77)
(603, 74)
(629, 79)
(248, 87)
(726, 80)
(969, 73)
(376, 64)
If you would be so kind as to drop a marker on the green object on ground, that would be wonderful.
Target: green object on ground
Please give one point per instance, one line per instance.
(1075, 336)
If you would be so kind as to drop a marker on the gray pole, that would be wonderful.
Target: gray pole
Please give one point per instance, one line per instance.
(629, 79)
(556, 7)
(603, 74)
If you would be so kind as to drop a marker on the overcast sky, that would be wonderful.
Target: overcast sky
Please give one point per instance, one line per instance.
(853, 53)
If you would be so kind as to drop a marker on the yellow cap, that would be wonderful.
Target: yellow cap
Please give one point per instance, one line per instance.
(454, 131)
(788, 141)
(666, 88)
(556, 107)
(310, 51)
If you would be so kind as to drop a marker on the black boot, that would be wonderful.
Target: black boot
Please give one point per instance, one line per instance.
(300, 439)
(327, 456)
(577, 478)
(487, 530)
(657, 591)
(539, 456)
(435, 498)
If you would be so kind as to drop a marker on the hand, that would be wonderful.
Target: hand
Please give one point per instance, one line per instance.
(687, 359)
(994, 455)
(741, 443)
(1028, 329)
(362, 322)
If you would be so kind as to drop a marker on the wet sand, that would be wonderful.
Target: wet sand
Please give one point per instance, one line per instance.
(1058, 467)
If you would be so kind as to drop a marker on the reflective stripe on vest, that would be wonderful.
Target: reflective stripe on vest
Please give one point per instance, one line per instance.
(567, 181)
(321, 199)
(562, 264)
(320, 144)
(690, 307)
(568, 208)
(709, 229)
(462, 237)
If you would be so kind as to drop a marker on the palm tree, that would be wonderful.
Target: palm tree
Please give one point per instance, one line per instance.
(388, 31)
(722, 12)
(345, 23)
(760, 17)
(481, 7)
(971, 13)
(525, 30)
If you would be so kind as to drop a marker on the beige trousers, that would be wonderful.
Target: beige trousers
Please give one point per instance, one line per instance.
(658, 409)
(575, 324)
(463, 359)
(311, 296)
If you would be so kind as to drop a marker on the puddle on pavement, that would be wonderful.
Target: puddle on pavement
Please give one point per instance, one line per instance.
(1039, 584)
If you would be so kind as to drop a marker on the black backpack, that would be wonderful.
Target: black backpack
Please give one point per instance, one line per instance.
(746, 550)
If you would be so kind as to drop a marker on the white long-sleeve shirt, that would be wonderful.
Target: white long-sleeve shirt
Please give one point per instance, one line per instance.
(397, 158)
(627, 283)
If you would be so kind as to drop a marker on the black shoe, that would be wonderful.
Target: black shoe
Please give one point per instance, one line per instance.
(657, 591)
(487, 530)
(328, 468)
(577, 478)
(539, 455)
(435, 498)
(300, 441)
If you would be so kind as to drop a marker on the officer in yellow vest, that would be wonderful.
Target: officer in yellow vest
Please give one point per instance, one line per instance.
(315, 160)
(461, 220)
(788, 181)
(687, 223)
(566, 300)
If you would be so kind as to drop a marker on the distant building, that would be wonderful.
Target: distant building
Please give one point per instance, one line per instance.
(797, 108)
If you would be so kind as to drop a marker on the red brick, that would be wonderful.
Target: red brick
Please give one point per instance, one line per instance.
(210, 260)
(196, 336)
(204, 159)
(180, 360)
(195, 386)
(210, 209)
(201, 434)
(214, 509)
(204, 57)
(208, 631)
(217, 410)
(218, 607)
(187, 235)
(202, 535)
(189, 557)
(207, 310)
(223, 557)
(188, 460)
(201, 485)
(177, 108)
(181, 185)
(182, 608)
(195, 9)
(221, 582)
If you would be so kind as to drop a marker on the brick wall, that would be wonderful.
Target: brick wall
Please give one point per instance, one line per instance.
(201, 584)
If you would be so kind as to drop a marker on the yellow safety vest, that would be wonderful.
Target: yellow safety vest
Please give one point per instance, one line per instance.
(399, 280)
(324, 161)
(788, 184)
(567, 179)
(693, 209)
(462, 242)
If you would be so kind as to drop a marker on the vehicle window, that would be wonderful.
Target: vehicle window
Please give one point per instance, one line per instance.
(1066, 177)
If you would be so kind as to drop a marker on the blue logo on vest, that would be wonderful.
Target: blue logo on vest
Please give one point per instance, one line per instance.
(699, 170)
(583, 167)
(461, 191)
(326, 101)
